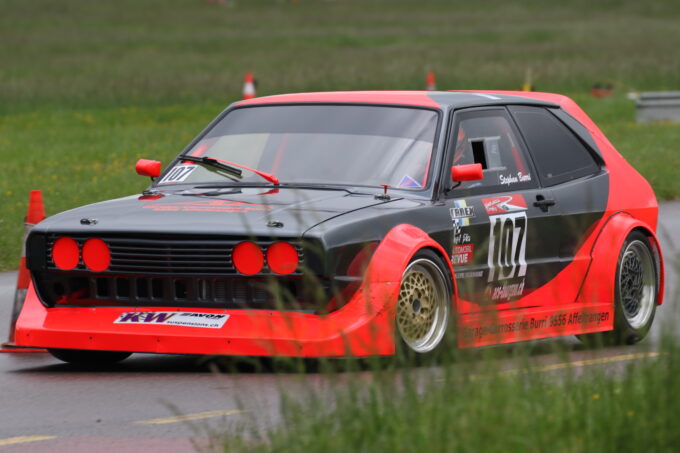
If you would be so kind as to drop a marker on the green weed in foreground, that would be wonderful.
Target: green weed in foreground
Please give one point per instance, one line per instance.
(527, 411)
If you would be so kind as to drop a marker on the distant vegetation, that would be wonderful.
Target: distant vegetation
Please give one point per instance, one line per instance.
(87, 87)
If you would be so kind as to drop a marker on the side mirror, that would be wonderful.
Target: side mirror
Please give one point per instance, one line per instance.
(151, 168)
(470, 172)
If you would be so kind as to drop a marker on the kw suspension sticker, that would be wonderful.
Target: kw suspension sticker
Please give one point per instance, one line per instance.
(175, 318)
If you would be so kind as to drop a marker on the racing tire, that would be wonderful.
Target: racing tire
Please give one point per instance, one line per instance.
(424, 316)
(89, 358)
(636, 293)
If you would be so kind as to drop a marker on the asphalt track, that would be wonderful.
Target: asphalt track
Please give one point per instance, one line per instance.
(171, 403)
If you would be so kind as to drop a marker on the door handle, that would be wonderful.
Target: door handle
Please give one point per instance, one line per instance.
(544, 203)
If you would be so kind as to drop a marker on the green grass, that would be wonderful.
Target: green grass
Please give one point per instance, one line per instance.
(88, 87)
(489, 411)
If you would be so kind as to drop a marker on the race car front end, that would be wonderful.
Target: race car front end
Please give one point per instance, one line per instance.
(187, 295)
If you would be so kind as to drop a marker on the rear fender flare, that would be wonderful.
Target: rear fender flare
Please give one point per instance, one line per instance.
(598, 285)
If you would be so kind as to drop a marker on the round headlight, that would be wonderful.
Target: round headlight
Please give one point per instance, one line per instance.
(248, 258)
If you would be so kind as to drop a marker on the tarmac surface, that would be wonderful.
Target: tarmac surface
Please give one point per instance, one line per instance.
(172, 403)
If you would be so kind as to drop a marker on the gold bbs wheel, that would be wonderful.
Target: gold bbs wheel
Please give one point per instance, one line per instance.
(422, 308)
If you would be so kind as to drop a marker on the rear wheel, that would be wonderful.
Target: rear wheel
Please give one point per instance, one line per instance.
(84, 357)
(423, 313)
(637, 289)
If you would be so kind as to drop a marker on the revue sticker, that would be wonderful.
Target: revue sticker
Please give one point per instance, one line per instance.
(174, 318)
(462, 254)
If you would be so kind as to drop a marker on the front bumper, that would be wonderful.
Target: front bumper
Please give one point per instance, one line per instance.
(363, 327)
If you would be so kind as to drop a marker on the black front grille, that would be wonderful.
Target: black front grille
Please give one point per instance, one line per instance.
(234, 292)
(168, 256)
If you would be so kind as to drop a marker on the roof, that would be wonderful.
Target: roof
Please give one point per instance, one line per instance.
(433, 99)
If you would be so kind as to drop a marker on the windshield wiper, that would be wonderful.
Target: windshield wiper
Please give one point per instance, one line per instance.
(230, 167)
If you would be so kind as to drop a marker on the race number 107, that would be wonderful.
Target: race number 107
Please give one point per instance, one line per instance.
(507, 246)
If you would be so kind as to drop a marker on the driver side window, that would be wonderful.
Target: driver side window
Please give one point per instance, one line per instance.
(489, 138)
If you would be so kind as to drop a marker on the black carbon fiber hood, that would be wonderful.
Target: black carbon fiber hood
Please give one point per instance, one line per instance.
(255, 211)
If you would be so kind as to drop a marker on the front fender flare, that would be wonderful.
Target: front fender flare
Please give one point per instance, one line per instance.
(397, 249)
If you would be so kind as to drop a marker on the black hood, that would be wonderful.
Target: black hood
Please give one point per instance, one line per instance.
(248, 211)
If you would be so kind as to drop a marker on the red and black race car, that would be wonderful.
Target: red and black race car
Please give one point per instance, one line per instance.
(357, 223)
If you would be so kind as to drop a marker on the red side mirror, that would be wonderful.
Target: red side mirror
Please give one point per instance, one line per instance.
(470, 172)
(151, 168)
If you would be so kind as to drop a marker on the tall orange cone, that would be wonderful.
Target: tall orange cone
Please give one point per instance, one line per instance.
(430, 82)
(35, 214)
(248, 86)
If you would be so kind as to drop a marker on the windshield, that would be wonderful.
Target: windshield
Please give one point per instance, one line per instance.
(317, 144)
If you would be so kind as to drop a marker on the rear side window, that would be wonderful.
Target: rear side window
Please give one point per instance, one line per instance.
(558, 154)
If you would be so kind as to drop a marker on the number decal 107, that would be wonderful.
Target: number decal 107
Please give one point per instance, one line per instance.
(178, 174)
(507, 246)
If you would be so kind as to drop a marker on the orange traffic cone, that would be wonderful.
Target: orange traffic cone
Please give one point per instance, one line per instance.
(35, 214)
(248, 86)
(430, 82)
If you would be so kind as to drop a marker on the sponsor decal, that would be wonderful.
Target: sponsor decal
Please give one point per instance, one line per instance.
(507, 246)
(205, 320)
(584, 319)
(460, 236)
(178, 174)
(504, 203)
(470, 274)
(506, 291)
(462, 254)
(208, 206)
(508, 179)
(461, 213)
(407, 181)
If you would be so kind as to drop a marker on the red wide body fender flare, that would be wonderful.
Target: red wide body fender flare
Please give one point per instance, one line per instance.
(599, 284)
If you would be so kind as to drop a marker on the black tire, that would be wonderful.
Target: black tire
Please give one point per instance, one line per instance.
(636, 293)
(424, 328)
(89, 358)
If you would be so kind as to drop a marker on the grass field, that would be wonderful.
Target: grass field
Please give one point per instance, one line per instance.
(87, 87)
(523, 409)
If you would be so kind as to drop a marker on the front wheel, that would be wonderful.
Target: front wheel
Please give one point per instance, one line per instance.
(89, 358)
(423, 312)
